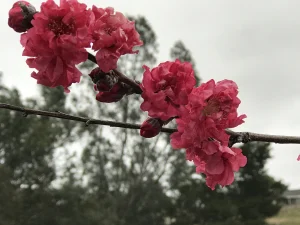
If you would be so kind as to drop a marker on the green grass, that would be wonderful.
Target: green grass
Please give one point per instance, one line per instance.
(289, 215)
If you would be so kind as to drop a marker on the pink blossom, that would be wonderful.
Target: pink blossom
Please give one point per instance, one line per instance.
(57, 42)
(217, 101)
(225, 164)
(298, 158)
(196, 133)
(19, 20)
(211, 109)
(65, 25)
(218, 167)
(54, 71)
(151, 127)
(113, 35)
(201, 129)
(107, 59)
(166, 89)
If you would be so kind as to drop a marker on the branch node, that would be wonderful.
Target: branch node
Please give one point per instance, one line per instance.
(62, 113)
(25, 113)
(246, 137)
(88, 122)
(239, 137)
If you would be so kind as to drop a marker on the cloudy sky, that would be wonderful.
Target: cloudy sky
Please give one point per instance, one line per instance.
(255, 43)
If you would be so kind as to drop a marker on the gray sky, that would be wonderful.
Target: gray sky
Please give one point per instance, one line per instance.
(255, 43)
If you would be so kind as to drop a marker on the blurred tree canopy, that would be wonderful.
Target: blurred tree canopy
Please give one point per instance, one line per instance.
(116, 176)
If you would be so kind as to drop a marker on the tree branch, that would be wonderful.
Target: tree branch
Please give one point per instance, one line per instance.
(244, 137)
(235, 137)
(87, 121)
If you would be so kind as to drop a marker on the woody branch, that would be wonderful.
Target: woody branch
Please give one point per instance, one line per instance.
(235, 137)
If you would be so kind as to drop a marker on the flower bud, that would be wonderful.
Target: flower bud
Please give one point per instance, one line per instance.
(20, 16)
(104, 81)
(114, 95)
(96, 74)
(151, 127)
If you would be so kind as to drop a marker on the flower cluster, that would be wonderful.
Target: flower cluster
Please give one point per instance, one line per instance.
(58, 35)
(56, 38)
(202, 115)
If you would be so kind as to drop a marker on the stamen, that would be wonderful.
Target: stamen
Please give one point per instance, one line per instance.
(59, 28)
(211, 107)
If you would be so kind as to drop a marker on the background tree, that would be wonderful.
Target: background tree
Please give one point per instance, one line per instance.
(257, 194)
(27, 167)
(252, 198)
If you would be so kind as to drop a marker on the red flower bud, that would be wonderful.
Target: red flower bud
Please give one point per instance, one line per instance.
(20, 16)
(151, 127)
(104, 81)
(96, 74)
(114, 95)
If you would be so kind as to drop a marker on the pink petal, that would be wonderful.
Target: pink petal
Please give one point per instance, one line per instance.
(215, 165)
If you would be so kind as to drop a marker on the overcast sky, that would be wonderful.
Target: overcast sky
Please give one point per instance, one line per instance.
(255, 43)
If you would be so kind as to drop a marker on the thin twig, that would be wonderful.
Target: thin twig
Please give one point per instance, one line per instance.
(235, 137)
(87, 121)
